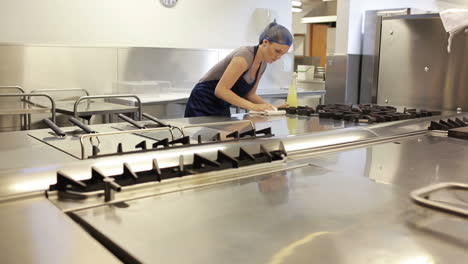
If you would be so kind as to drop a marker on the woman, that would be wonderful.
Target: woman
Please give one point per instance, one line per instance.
(234, 80)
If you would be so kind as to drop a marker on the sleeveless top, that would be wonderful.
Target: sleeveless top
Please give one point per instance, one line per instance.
(203, 102)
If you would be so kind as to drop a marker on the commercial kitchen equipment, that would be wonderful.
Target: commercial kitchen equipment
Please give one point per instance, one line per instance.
(307, 189)
(86, 106)
(23, 106)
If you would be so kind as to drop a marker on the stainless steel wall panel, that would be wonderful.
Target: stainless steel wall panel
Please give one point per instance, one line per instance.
(370, 57)
(39, 67)
(415, 69)
(182, 67)
(12, 65)
(335, 82)
(371, 50)
(99, 70)
(10, 122)
(352, 79)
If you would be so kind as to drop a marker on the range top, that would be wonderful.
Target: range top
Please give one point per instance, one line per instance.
(457, 128)
(360, 113)
(138, 136)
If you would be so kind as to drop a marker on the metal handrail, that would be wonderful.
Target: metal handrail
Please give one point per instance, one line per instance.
(62, 90)
(75, 107)
(52, 102)
(252, 125)
(97, 135)
(17, 87)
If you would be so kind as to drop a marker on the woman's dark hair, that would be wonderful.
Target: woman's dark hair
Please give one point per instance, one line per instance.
(276, 33)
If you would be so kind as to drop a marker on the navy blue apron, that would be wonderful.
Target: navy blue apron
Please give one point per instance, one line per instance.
(203, 102)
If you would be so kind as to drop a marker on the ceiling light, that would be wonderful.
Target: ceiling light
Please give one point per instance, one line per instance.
(297, 3)
(296, 9)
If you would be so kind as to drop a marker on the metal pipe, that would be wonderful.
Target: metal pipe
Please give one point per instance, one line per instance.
(62, 90)
(17, 87)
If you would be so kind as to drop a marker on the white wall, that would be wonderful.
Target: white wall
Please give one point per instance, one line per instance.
(342, 26)
(141, 23)
(357, 8)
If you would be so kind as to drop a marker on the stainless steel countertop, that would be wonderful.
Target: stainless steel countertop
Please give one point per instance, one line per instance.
(35, 231)
(410, 163)
(20, 151)
(26, 168)
(348, 203)
(27, 163)
(347, 207)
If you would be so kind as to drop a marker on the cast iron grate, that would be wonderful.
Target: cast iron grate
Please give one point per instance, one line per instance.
(200, 164)
(457, 128)
(163, 143)
(361, 113)
(449, 124)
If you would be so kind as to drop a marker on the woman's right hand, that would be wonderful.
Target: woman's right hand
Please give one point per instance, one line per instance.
(262, 107)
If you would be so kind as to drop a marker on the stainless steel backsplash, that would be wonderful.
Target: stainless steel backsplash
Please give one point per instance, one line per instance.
(100, 69)
(415, 68)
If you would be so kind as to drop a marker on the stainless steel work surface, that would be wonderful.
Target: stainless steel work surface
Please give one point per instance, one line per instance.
(283, 125)
(303, 215)
(19, 151)
(410, 163)
(293, 124)
(93, 108)
(30, 165)
(35, 231)
(70, 144)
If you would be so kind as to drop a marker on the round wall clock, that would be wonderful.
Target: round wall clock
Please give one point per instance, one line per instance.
(168, 3)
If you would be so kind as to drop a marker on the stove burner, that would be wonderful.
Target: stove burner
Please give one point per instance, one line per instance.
(362, 113)
(456, 128)
(74, 189)
(169, 142)
(449, 124)
(300, 110)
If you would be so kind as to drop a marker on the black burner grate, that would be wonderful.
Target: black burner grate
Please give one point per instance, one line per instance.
(457, 128)
(71, 188)
(362, 113)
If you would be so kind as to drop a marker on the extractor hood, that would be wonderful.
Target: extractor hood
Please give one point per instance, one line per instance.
(322, 12)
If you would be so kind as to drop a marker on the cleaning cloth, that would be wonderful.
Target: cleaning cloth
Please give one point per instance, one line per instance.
(454, 21)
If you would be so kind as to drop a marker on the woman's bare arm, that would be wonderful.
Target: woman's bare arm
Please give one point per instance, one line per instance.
(236, 67)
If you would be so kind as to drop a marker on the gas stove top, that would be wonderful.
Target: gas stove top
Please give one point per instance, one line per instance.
(84, 142)
(457, 128)
(70, 188)
(360, 113)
